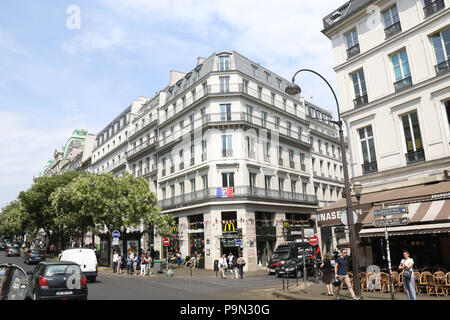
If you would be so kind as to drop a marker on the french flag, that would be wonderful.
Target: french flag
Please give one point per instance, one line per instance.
(224, 192)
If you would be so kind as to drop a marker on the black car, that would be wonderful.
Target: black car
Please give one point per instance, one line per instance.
(60, 280)
(285, 252)
(13, 251)
(2, 246)
(34, 255)
(294, 268)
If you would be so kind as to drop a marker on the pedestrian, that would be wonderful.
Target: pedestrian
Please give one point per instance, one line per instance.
(119, 263)
(130, 262)
(327, 273)
(340, 272)
(179, 259)
(135, 261)
(235, 267)
(406, 264)
(241, 264)
(144, 263)
(149, 263)
(115, 261)
(230, 264)
(223, 266)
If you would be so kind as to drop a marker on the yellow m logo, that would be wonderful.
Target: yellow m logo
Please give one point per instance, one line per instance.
(229, 225)
(286, 224)
(175, 229)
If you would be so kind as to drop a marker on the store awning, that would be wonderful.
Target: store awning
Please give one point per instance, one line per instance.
(426, 202)
(438, 210)
(407, 230)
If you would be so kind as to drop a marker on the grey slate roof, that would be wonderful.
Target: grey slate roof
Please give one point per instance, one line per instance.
(344, 12)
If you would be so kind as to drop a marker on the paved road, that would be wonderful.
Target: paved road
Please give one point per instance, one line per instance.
(110, 287)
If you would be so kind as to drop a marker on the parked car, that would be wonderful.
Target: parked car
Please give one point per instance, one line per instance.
(2, 246)
(85, 258)
(34, 255)
(60, 280)
(294, 268)
(13, 251)
(288, 251)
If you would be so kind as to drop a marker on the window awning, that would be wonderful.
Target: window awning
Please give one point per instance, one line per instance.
(407, 230)
(438, 210)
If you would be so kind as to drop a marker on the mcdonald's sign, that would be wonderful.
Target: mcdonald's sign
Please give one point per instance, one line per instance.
(286, 224)
(230, 226)
(174, 229)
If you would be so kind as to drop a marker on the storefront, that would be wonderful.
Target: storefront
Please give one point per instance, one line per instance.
(426, 236)
(231, 239)
(196, 235)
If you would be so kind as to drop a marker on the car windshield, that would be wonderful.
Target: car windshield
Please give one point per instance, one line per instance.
(62, 270)
(281, 255)
(14, 247)
(36, 251)
(293, 261)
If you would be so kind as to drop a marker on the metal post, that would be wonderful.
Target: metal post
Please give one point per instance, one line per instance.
(388, 253)
(303, 255)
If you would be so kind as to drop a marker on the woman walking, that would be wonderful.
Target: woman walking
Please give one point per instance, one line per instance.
(327, 274)
(119, 263)
(143, 264)
(408, 275)
(241, 264)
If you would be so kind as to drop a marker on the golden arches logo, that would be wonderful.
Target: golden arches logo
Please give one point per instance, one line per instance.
(175, 229)
(229, 225)
(286, 224)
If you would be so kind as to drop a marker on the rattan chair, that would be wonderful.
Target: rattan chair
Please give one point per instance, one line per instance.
(417, 280)
(384, 282)
(423, 283)
(447, 281)
(363, 281)
(431, 284)
(394, 278)
(440, 282)
(400, 283)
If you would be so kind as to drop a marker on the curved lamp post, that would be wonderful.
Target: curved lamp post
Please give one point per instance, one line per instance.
(294, 89)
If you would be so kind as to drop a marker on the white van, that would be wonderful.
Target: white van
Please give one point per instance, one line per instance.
(86, 258)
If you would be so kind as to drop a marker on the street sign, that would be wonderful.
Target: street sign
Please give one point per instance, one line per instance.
(238, 242)
(344, 217)
(115, 241)
(166, 242)
(391, 222)
(116, 234)
(389, 211)
(313, 240)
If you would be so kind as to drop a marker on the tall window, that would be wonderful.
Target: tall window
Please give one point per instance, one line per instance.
(293, 186)
(359, 83)
(164, 194)
(281, 184)
(250, 142)
(192, 185)
(390, 16)
(411, 130)
(291, 159)
(245, 85)
(252, 179)
(182, 188)
(224, 63)
(289, 127)
(367, 144)
(351, 38)
(267, 76)
(228, 179)
(227, 148)
(255, 71)
(225, 112)
(205, 181)
(224, 84)
(204, 150)
(277, 122)
(401, 70)
(272, 98)
(264, 119)
(300, 132)
(249, 113)
(267, 182)
(441, 44)
(260, 92)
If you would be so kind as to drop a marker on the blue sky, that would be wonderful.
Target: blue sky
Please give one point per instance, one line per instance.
(54, 79)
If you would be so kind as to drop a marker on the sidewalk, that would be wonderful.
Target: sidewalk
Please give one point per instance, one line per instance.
(314, 291)
(181, 272)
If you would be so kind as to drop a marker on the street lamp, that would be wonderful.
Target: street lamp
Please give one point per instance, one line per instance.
(357, 189)
(294, 89)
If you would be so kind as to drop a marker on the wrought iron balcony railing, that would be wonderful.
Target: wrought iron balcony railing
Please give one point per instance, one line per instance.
(415, 156)
(353, 51)
(393, 29)
(360, 101)
(433, 7)
(403, 84)
(442, 67)
(369, 167)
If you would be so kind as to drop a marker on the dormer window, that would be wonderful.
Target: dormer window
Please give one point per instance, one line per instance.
(224, 63)
(267, 76)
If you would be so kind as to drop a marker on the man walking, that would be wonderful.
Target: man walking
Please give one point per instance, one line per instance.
(340, 272)
(241, 264)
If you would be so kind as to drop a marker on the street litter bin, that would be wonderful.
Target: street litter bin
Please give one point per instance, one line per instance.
(158, 266)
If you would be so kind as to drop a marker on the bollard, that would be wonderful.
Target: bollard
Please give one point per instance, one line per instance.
(287, 284)
(191, 271)
(296, 276)
(283, 283)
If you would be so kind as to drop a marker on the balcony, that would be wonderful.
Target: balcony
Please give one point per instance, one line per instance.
(393, 29)
(360, 101)
(353, 51)
(442, 67)
(151, 142)
(226, 153)
(433, 7)
(403, 84)
(369, 167)
(415, 156)
(242, 193)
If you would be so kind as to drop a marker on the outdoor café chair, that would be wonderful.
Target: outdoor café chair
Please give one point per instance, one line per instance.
(384, 281)
(400, 283)
(417, 280)
(363, 281)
